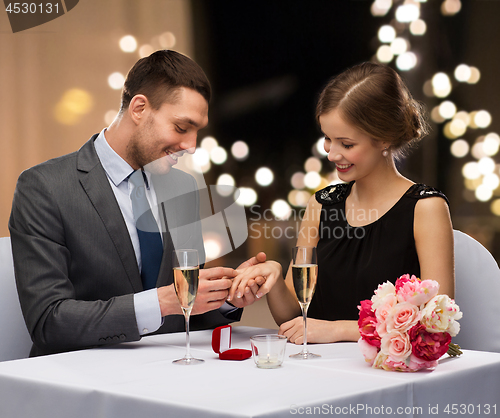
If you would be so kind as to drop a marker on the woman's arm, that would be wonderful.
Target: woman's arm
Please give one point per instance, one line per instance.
(320, 330)
(433, 233)
(282, 301)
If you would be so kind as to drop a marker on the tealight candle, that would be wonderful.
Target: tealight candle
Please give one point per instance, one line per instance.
(268, 350)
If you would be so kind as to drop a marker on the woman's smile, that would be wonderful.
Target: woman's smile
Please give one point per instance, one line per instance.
(343, 167)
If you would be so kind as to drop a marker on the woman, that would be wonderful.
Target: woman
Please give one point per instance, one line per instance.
(376, 226)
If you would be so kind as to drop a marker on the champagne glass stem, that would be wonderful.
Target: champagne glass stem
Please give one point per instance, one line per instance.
(304, 315)
(188, 343)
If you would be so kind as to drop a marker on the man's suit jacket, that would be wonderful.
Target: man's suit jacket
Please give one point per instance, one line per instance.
(76, 270)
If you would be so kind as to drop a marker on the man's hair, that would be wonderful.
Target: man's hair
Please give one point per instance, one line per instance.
(160, 75)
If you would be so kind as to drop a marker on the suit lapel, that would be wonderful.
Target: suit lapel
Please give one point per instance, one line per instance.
(96, 184)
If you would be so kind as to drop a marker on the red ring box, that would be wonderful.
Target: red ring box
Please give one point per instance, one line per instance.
(221, 343)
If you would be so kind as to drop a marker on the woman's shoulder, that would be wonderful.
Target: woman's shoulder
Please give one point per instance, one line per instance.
(422, 191)
(333, 194)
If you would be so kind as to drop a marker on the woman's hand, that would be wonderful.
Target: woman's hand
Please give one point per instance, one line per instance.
(257, 279)
(319, 331)
(253, 285)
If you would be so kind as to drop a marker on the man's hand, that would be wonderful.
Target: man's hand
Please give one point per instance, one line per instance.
(259, 258)
(213, 289)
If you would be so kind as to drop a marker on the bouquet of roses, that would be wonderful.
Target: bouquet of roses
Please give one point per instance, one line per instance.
(408, 327)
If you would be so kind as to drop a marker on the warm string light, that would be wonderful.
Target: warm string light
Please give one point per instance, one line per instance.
(128, 43)
(264, 176)
(73, 105)
(395, 44)
(481, 176)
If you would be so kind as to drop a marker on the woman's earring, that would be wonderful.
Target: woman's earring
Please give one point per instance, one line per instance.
(385, 153)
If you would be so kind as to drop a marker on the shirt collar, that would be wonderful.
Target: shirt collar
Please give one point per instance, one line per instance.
(117, 169)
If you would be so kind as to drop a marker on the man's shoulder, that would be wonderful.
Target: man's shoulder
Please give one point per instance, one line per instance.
(58, 161)
(56, 168)
(53, 167)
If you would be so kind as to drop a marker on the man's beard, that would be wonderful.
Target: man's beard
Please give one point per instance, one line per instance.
(141, 157)
(139, 151)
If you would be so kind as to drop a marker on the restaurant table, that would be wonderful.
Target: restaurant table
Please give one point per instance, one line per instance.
(132, 380)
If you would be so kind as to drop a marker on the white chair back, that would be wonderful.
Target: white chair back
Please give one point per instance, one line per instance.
(477, 292)
(15, 342)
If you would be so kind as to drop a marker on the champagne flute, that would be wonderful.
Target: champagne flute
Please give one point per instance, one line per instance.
(304, 273)
(186, 275)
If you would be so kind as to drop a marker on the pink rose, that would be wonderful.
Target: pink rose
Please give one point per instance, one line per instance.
(367, 323)
(405, 278)
(398, 366)
(416, 291)
(386, 305)
(416, 363)
(369, 351)
(428, 346)
(396, 345)
(402, 317)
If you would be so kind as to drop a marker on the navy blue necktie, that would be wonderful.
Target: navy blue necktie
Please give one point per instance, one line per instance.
(147, 229)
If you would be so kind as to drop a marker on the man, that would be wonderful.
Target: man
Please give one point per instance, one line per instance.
(76, 244)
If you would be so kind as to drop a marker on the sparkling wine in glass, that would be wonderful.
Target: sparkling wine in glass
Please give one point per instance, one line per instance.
(186, 275)
(304, 273)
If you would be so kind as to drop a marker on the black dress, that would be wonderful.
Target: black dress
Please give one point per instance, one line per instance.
(353, 261)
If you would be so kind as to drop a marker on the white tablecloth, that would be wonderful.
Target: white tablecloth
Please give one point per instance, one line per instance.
(134, 380)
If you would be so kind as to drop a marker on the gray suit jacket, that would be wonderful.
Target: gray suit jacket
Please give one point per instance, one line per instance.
(75, 265)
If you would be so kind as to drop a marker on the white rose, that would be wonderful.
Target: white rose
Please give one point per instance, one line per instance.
(440, 315)
(383, 290)
(379, 360)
